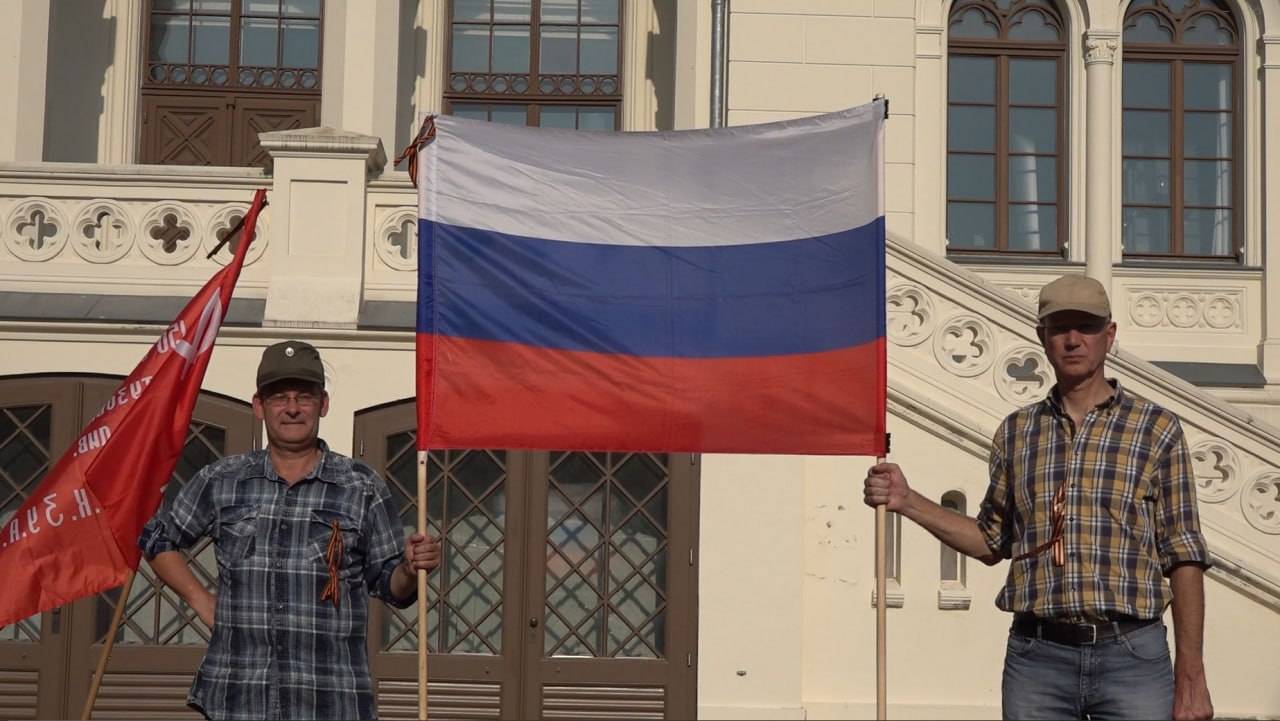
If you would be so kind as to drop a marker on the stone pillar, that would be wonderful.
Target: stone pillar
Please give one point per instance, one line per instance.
(693, 65)
(24, 62)
(1099, 63)
(1269, 349)
(318, 225)
(361, 55)
(930, 140)
(118, 124)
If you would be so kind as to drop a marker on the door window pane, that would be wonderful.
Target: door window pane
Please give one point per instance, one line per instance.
(301, 43)
(512, 11)
(1033, 130)
(470, 49)
(600, 12)
(464, 10)
(169, 38)
(510, 114)
(1033, 227)
(559, 50)
(1032, 178)
(971, 176)
(970, 128)
(1207, 86)
(258, 41)
(212, 36)
(971, 226)
(599, 51)
(1207, 182)
(1146, 85)
(1207, 135)
(1146, 132)
(1146, 181)
(1207, 231)
(1146, 230)
(1033, 82)
(511, 49)
(560, 11)
(971, 79)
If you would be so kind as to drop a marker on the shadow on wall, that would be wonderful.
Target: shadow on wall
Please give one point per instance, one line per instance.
(662, 64)
(81, 47)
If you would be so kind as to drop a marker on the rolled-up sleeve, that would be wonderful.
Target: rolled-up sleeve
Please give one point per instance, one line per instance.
(994, 515)
(385, 538)
(179, 524)
(1178, 536)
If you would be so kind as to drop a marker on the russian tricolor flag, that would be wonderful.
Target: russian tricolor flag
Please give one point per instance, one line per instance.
(707, 291)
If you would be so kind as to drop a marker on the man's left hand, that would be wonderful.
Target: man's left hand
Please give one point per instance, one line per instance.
(421, 553)
(1191, 695)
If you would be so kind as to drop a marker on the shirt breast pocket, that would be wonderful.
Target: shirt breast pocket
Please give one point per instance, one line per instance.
(237, 530)
(342, 549)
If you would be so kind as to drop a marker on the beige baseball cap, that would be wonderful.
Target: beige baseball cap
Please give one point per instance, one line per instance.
(1074, 292)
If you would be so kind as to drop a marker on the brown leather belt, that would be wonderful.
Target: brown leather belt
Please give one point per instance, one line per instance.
(1075, 634)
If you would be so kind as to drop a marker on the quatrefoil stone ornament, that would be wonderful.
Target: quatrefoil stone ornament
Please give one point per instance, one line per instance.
(36, 230)
(169, 234)
(911, 315)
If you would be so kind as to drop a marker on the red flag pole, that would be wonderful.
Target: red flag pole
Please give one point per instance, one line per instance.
(116, 617)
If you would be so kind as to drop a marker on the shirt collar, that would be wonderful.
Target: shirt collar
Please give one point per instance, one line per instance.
(321, 472)
(1054, 400)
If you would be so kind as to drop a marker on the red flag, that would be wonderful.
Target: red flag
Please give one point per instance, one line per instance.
(77, 533)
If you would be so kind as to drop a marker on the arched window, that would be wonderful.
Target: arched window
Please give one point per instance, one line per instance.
(218, 72)
(550, 63)
(952, 567)
(1181, 129)
(1006, 127)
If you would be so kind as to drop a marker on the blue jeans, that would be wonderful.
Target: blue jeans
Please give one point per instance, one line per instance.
(1127, 677)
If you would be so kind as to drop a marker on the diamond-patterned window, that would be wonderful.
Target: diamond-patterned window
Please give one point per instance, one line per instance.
(25, 437)
(606, 550)
(467, 507)
(549, 63)
(155, 614)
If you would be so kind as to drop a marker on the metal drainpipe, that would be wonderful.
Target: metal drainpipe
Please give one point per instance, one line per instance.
(719, 60)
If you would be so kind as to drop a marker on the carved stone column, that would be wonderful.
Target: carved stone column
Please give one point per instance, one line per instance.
(118, 124)
(1099, 62)
(24, 34)
(1269, 349)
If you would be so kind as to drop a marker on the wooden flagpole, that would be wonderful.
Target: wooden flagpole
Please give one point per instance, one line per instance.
(881, 615)
(423, 636)
(116, 617)
(882, 670)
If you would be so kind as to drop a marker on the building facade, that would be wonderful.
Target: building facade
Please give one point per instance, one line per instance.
(1026, 138)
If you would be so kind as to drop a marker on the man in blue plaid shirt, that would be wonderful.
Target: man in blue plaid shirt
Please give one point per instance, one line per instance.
(300, 533)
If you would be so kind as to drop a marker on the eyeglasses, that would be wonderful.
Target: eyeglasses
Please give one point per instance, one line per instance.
(304, 399)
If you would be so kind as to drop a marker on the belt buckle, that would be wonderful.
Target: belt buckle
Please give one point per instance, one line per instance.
(1093, 635)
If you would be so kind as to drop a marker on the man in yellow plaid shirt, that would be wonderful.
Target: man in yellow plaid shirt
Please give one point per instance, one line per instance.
(1092, 497)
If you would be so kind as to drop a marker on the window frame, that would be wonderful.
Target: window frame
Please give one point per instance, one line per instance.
(1002, 50)
(533, 99)
(1176, 55)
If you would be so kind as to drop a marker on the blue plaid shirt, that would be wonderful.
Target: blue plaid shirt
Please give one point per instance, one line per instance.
(277, 650)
